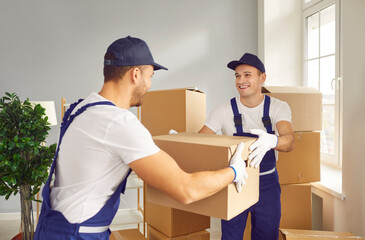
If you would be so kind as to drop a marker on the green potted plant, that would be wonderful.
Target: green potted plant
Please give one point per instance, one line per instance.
(24, 160)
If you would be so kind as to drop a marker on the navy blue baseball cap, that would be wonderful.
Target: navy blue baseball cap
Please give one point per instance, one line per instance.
(130, 51)
(248, 59)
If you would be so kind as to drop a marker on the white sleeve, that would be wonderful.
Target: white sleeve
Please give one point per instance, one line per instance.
(283, 112)
(216, 119)
(128, 139)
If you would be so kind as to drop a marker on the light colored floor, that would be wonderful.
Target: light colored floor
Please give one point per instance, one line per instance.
(215, 229)
(9, 228)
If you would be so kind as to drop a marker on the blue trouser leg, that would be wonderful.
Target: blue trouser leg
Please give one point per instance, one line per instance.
(265, 214)
(234, 228)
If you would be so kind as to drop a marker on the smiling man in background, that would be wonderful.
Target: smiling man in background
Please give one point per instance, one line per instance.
(253, 114)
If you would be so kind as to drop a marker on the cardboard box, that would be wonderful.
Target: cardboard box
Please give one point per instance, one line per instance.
(303, 164)
(296, 206)
(153, 234)
(174, 222)
(247, 233)
(183, 110)
(305, 104)
(294, 234)
(128, 234)
(201, 152)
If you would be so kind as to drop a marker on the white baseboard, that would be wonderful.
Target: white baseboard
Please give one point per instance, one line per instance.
(123, 216)
(13, 216)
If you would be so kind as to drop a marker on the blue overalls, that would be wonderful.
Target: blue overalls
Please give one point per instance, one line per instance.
(266, 213)
(52, 225)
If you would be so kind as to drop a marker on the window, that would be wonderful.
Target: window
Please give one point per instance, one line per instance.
(321, 69)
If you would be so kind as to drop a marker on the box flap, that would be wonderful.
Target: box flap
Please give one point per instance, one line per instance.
(193, 89)
(155, 234)
(296, 234)
(127, 234)
(288, 89)
(206, 139)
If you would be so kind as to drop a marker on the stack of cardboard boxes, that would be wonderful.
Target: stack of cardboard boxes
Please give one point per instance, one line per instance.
(183, 110)
(300, 167)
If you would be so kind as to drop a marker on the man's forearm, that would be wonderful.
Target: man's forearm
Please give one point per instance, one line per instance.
(285, 143)
(204, 184)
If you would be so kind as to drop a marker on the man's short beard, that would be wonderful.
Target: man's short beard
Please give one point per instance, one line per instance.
(137, 96)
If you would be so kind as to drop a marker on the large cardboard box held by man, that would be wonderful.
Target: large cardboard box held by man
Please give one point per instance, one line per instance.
(174, 222)
(305, 104)
(183, 110)
(154, 234)
(302, 165)
(201, 152)
(295, 234)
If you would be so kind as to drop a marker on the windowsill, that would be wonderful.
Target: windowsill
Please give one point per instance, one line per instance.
(331, 181)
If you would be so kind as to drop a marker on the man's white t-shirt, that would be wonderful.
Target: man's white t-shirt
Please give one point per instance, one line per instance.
(94, 156)
(221, 118)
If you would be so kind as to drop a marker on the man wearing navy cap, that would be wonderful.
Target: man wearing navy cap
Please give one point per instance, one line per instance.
(101, 141)
(253, 114)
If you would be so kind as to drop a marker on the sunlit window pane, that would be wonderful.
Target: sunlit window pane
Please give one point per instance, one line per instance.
(328, 130)
(320, 65)
(327, 31)
(313, 36)
(327, 85)
(313, 73)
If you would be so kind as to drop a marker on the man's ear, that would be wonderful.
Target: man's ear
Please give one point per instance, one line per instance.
(262, 78)
(135, 74)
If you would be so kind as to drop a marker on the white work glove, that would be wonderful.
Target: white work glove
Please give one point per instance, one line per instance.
(264, 143)
(172, 131)
(239, 167)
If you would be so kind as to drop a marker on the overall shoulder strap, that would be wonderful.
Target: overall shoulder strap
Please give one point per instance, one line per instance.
(70, 109)
(237, 117)
(83, 108)
(67, 120)
(266, 120)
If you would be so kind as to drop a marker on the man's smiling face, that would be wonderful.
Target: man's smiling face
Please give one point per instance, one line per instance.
(249, 80)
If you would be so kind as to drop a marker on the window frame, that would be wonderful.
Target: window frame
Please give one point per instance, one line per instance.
(309, 9)
(306, 4)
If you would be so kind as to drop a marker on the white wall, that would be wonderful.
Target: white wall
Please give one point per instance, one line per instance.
(280, 45)
(52, 49)
(353, 38)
